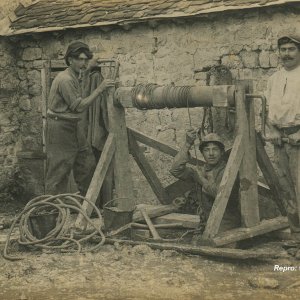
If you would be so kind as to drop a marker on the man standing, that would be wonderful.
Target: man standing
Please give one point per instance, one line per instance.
(207, 179)
(283, 96)
(67, 146)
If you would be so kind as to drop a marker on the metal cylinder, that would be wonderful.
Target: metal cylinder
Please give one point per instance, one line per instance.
(158, 97)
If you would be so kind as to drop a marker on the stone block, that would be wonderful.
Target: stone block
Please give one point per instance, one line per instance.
(264, 59)
(32, 54)
(24, 103)
(200, 76)
(35, 90)
(34, 77)
(22, 74)
(39, 64)
(23, 87)
(249, 59)
(274, 59)
(4, 119)
(232, 61)
(206, 58)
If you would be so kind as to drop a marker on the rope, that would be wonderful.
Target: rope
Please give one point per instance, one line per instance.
(63, 235)
(143, 96)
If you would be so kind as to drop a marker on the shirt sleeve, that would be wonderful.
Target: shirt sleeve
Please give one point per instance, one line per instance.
(69, 93)
(179, 168)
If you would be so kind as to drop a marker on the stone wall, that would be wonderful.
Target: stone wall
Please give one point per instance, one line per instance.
(9, 118)
(181, 51)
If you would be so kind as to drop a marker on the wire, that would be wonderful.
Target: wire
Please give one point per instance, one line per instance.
(63, 236)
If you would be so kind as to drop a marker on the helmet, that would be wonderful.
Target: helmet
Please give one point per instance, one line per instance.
(74, 46)
(211, 138)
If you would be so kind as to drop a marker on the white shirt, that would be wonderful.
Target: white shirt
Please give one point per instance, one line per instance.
(283, 96)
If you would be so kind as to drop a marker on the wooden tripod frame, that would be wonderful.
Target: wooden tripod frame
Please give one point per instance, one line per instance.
(247, 150)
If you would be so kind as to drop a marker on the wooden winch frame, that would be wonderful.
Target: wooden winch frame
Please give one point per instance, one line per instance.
(247, 151)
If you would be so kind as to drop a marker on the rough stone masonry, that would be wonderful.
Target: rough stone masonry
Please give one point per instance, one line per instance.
(179, 51)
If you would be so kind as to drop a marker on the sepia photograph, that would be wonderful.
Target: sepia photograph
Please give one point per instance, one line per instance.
(149, 149)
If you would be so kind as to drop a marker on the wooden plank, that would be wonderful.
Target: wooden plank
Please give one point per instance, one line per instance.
(97, 180)
(122, 171)
(269, 174)
(248, 169)
(297, 184)
(45, 83)
(153, 211)
(147, 170)
(224, 191)
(202, 250)
(150, 225)
(165, 148)
(238, 234)
(187, 221)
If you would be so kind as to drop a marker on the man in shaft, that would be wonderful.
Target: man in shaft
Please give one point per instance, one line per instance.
(206, 179)
(283, 96)
(66, 143)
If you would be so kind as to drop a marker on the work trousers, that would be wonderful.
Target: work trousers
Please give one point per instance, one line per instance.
(67, 150)
(287, 160)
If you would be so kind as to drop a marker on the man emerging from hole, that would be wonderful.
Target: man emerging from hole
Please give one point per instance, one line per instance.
(206, 179)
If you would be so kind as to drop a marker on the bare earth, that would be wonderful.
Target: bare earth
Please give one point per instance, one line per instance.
(124, 272)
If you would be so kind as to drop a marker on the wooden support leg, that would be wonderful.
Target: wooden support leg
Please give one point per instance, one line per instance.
(147, 170)
(97, 180)
(269, 173)
(122, 172)
(248, 170)
(167, 149)
(238, 234)
(228, 179)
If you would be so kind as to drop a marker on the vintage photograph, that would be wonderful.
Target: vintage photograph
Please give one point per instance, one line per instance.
(149, 149)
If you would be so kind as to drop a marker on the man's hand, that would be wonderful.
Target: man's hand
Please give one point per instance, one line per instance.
(294, 139)
(106, 83)
(190, 136)
(275, 137)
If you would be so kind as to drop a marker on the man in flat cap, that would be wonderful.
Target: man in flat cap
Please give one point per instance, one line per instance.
(206, 180)
(283, 96)
(67, 146)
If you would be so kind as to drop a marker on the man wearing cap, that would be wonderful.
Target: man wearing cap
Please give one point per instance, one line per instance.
(206, 178)
(67, 146)
(283, 97)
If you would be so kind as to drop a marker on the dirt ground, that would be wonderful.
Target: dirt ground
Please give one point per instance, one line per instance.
(138, 272)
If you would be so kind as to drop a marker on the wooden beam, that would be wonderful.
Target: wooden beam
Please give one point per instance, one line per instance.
(147, 170)
(269, 173)
(248, 170)
(122, 171)
(202, 250)
(187, 221)
(238, 234)
(165, 148)
(97, 180)
(45, 83)
(224, 191)
(153, 211)
(297, 184)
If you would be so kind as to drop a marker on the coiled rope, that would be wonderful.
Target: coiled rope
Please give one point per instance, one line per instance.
(64, 236)
(143, 96)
